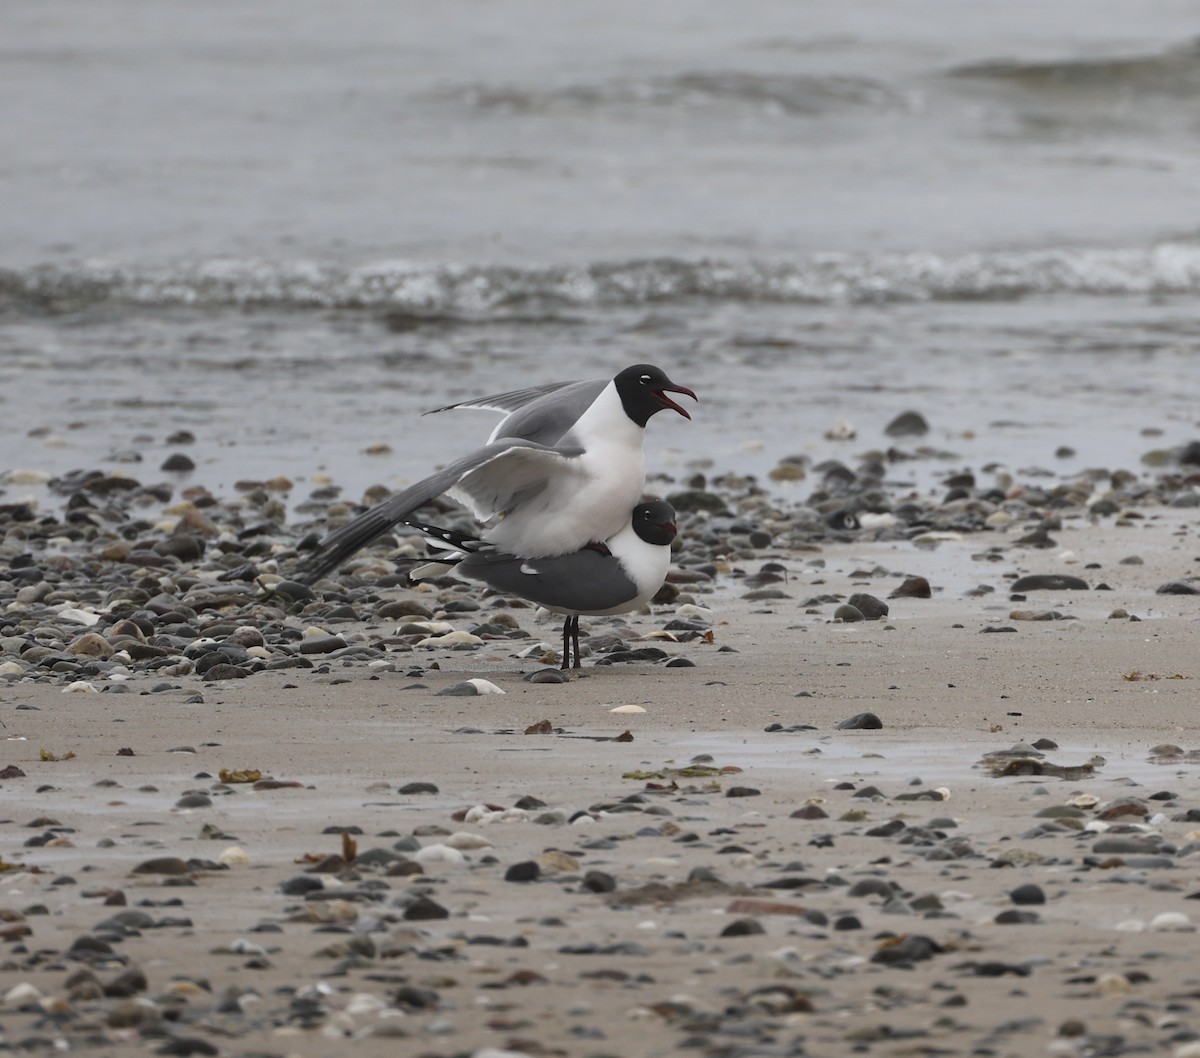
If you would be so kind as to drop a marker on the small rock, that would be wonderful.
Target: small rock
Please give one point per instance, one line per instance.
(92, 645)
(526, 871)
(907, 424)
(743, 927)
(178, 463)
(321, 644)
(742, 791)
(860, 722)
(1177, 587)
(912, 588)
(163, 865)
(599, 882)
(871, 608)
(1027, 894)
(1048, 582)
(422, 909)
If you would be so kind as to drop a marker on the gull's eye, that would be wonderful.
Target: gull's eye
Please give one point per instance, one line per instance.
(646, 378)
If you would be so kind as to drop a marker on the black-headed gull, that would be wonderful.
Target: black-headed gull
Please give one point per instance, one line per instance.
(585, 582)
(561, 471)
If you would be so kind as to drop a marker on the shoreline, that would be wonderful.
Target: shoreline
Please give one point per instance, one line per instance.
(252, 962)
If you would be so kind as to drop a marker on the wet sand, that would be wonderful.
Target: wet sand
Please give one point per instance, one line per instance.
(234, 962)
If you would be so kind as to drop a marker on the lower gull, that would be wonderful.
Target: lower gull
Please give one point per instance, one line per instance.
(587, 582)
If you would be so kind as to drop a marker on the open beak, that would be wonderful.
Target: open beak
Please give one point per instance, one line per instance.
(667, 402)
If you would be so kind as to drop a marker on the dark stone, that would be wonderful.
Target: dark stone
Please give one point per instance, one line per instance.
(910, 949)
(912, 588)
(993, 968)
(599, 882)
(546, 676)
(184, 1046)
(224, 671)
(886, 830)
(1177, 587)
(907, 424)
(871, 608)
(1027, 894)
(321, 644)
(1048, 582)
(1014, 917)
(871, 887)
(742, 791)
(410, 788)
(127, 984)
(860, 722)
(526, 871)
(301, 885)
(422, 908)
(743, 927)
(162, 865)
(459, 690)
(409, 997)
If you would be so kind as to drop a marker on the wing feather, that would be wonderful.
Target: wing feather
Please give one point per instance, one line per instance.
(494, 474)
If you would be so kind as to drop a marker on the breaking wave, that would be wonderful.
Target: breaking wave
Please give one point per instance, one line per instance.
(1168, 268)
(793, 94)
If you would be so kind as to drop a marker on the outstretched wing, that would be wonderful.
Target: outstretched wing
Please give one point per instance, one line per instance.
(497, 474)
(540, 413)
(504, 402)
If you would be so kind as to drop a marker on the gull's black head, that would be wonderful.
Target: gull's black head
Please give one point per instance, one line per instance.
(654, 522)
(643, 389)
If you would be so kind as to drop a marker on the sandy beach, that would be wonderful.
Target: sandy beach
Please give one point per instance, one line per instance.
(854, 784)
(801, 890)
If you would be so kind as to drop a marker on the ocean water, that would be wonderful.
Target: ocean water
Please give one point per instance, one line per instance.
(290, 226)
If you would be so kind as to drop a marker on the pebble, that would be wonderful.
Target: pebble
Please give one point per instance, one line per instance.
(860, 722)
(175, 597)
(912, 588)
(526, 871)
(1178, 587)
(1048, 582)
(871, 608)
(907, 424)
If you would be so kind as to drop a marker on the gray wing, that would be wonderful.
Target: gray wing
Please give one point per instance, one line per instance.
(510, 468)
(505, 402)
(581, 582)
(538, 413)
(547, 418)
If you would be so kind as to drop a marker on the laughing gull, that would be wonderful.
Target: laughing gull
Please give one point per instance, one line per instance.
(583, 582)
(560, 472)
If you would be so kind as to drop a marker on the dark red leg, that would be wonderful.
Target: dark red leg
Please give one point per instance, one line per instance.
(575, 638)
(566, 652)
